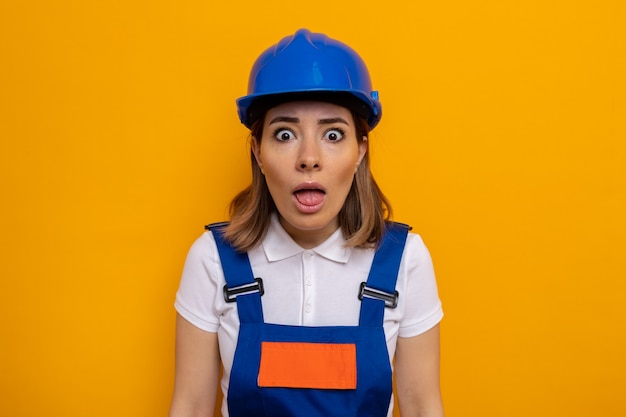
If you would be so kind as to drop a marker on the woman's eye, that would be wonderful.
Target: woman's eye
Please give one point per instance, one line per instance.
(334, 135)
(284, 135)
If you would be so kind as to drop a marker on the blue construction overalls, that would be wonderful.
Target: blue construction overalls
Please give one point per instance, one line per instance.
(353, 374)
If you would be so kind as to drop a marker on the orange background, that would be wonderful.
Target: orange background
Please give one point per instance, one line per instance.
(502, 143)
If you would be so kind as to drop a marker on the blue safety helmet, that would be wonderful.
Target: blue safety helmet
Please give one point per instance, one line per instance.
(309, 66)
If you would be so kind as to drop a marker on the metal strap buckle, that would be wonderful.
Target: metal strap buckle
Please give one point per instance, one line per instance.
(231, 294)
(390, 299)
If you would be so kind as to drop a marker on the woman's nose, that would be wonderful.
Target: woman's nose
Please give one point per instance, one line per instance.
(309, 156)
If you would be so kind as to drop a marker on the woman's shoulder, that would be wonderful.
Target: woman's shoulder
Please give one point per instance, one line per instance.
(414, 242)
(415, 248)
(203, 246)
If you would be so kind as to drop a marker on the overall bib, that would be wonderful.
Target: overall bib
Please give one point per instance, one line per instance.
(326, 371)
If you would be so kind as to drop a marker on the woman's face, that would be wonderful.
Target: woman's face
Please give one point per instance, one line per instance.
(309, 154)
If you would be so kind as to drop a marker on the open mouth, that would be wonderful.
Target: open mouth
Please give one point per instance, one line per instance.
(310, 196)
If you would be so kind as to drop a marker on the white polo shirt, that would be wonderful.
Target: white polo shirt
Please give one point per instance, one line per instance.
(306, 287)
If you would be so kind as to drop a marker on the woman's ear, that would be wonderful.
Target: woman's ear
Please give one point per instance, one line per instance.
(256, 150)
(363, 147)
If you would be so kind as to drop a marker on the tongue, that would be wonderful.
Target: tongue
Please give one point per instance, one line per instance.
(310, 197)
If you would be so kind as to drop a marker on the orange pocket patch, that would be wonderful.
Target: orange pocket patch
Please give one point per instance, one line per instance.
(308, 365)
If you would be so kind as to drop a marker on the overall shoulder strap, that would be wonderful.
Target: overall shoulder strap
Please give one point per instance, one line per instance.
(380, 289)
(241, 285)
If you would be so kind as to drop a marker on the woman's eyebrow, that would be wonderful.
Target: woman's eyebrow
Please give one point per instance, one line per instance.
(286, 119)
(332, 120)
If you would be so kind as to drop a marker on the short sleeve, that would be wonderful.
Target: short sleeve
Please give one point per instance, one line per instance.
(195, 299)
(422, 306)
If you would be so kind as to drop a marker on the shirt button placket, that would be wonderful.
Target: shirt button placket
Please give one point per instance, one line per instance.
(307, 261)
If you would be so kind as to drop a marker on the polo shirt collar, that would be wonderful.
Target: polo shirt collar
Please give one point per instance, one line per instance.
(278, 245)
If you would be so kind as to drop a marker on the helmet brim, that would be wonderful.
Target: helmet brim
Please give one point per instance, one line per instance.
(254, 106)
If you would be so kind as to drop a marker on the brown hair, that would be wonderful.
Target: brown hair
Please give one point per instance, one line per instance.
(362, 217)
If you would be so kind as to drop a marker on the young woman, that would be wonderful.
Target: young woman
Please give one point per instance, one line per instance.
(309, 295)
